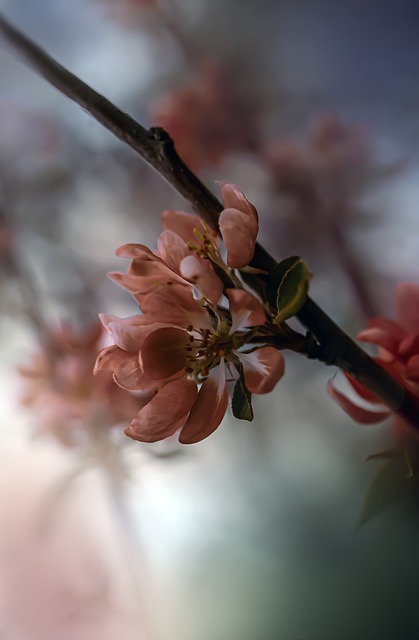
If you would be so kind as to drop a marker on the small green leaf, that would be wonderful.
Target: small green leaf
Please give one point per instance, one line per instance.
(390, 483)
(241, 403)
(276, 277)
(292, 292)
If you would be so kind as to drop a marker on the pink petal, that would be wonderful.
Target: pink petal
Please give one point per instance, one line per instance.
(209, 408)
(383, 332)
(135, 251)
(407, 306)
(176, 305)
(409, 347)
(412, 368)
(129, 375)
(239, 232)
(163, 353)
(234, 198)
(201, 273)
(109, 358)
(359, 414)
(165, 413)
(262, 369)
(185, 224)
(172, 249)
(362, 391)
(129, 333)
(245, 309)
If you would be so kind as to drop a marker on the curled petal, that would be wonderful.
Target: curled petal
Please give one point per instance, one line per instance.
(209, 408)
(359, 414)
(409, 346)
(129, 333)
(362, 391)
(262, 369)
(186, 225)
(384, 333)
(135, 251)
(239, 232)
(407, 306)
(172, 248)
(245, 309)
(109, 358)
(176, 305)
(129, 375)
(163, 353)
(412, 368)
(201, 273)
(165, 413)
(234, 198)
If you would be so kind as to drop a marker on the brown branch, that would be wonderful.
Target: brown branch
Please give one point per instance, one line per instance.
(155, 146)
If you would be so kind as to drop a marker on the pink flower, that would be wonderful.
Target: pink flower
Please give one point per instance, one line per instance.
(206, 119)
(186, 362)
(63, 393)
(398, 343)
(188, 250)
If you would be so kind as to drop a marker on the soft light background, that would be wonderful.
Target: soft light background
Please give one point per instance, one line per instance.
(249, 535)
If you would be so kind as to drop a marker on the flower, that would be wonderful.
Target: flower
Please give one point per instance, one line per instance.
(398, 343)
(63, 393)
(188, 250)
(203, 347)
(206, 119)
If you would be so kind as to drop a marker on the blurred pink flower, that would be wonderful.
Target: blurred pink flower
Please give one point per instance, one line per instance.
(398, 343)
(206, 119)
(201, 346)
(62, 392)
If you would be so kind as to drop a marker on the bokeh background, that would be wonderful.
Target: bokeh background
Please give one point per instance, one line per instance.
(311, 108)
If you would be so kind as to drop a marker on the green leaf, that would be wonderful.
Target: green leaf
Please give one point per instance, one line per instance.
(287, 287)
(276, 277)
(241, 403)
(391, 483)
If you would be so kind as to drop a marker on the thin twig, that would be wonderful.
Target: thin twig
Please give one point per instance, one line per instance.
(155, 146)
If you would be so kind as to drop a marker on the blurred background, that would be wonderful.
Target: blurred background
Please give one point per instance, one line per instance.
(311, 108)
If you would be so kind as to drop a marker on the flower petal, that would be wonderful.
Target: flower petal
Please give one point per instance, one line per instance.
(234, 198)
(239, 232)
(359, 414)
(201, 273)
(129, 375)
(172, 248)
(412, 368)
(176, 305)
(163, 353)
(165, 413)
(262, 369)
(185, 225)
(384, 333)
(129, 333)
(245, 309)
(109, 358)
(209, 408)
(407, 306)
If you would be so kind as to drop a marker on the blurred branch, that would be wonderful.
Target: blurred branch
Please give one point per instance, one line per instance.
(333, 346)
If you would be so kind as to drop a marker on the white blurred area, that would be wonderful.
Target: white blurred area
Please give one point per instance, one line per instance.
(250, 534)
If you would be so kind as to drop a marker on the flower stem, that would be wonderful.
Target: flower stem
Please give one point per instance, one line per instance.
(155, 146)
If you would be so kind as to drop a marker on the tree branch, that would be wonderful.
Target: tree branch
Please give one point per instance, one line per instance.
(156, 147)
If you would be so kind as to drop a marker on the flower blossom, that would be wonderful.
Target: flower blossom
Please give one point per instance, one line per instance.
(187, 250)
(206, 119)
(398, 343)
(188, 343)
(201, 345)
(63, 393)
